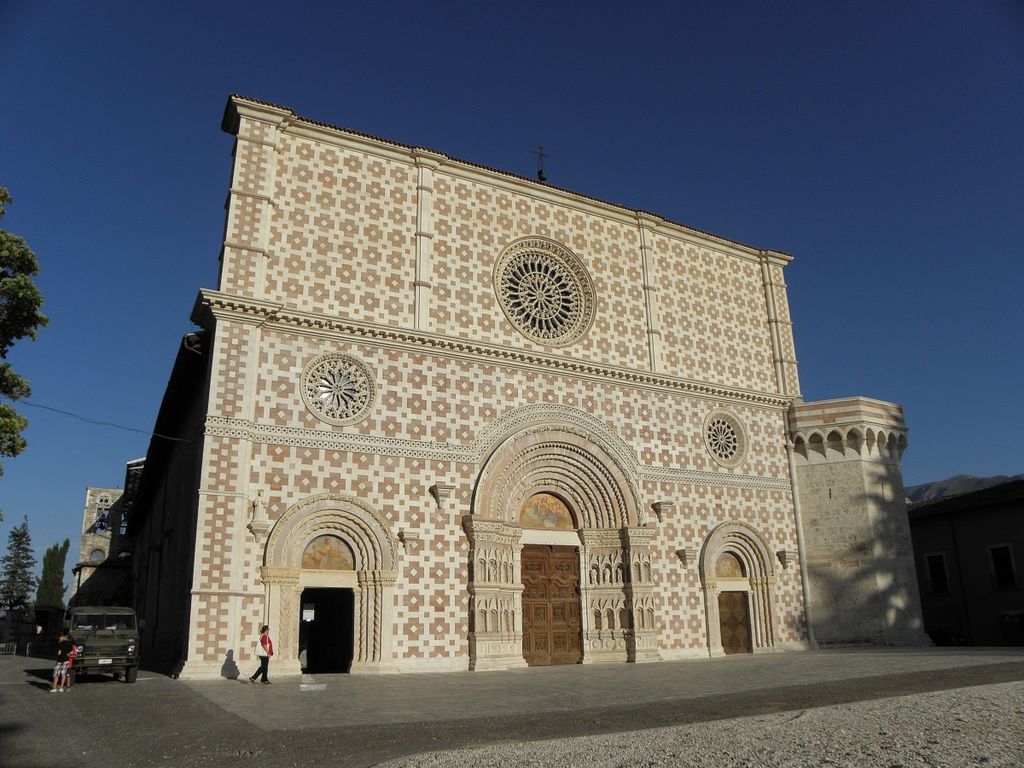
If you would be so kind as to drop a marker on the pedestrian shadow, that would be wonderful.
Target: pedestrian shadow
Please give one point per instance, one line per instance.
(41, 678)
(229, 669)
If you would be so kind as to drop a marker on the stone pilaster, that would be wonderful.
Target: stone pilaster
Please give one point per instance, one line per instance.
(496, 594)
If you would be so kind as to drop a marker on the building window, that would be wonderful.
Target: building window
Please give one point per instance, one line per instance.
(1002, 566)
(938, 579)
(725, 438)
(97, 555)
(545, 291)
(338, 388)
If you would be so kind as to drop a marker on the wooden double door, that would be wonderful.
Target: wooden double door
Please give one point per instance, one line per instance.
(734, 622)
(551, 605)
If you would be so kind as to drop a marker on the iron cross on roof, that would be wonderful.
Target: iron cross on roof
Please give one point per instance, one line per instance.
(539, 152)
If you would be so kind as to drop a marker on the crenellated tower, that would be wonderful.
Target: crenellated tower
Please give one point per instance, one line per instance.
(849, 488)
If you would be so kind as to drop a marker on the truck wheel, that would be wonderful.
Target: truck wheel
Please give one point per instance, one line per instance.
(130, 673)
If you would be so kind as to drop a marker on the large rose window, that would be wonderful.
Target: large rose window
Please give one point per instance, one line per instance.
(544, 291)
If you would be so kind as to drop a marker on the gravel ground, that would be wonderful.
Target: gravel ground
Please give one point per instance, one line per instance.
(981, 726)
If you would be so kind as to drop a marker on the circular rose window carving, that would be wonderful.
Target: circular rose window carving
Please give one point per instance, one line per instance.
(338, 388)
(725, 438)
(545, 291)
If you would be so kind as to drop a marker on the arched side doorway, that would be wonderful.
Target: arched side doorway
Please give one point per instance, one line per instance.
(572, 462)
(738, 578)
(372, 576)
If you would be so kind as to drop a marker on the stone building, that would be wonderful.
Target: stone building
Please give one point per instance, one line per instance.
(442, 417)
(102, 575)
(968, 549)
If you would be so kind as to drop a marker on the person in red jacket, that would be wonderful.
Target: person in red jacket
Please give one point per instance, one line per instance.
(264, 650)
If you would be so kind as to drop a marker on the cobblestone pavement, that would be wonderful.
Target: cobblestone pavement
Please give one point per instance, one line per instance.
(342, 720)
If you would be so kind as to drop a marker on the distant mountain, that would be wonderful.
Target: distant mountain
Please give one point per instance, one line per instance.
(955, 485)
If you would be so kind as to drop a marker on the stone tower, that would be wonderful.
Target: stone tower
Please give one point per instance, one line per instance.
(849, 487)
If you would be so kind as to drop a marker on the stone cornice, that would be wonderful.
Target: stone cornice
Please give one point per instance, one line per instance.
(221, 305)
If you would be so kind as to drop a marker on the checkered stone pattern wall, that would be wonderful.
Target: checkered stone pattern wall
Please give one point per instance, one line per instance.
(343, 232)
(441, 399)
(435, 401)
(337, 225)
(474, 223)
(713, 316)
(431, 602)
(698, 510)
(342, 243)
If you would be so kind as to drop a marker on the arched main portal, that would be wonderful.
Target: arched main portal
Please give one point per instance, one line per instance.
(331, 541)
(738, 578)
(586, 468)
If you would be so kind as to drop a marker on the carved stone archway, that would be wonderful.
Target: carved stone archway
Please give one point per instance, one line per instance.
(758, 581)
(578, 459)
(366, 534)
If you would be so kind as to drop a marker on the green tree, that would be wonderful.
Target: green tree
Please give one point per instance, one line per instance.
(51, 583)
(16, 567)
(20, 301)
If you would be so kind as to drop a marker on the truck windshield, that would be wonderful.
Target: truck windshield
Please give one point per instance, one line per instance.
(92, 621)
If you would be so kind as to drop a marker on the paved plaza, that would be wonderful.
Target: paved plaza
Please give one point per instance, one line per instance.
(345, 720)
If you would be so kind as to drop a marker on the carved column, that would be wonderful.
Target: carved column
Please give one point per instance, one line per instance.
(373, 619)
(281, 610)
(714, 626)
(495, 594)
(607, 620)
(640, 594)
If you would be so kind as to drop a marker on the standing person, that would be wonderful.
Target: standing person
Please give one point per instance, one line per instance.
(72, 655)
(60, 669)
(264, 649)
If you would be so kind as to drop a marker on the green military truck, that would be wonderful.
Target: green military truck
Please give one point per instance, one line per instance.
(107, 640)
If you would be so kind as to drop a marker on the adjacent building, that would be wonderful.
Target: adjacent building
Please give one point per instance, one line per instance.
(968, 554)
(102, 573)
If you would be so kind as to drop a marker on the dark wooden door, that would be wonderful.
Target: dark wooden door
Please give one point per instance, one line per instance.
(551, 605)
(734, 619)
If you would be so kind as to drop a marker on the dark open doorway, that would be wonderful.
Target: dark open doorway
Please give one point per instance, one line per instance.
(326, 630)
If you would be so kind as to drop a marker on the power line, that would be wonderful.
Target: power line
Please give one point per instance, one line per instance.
(102, 423)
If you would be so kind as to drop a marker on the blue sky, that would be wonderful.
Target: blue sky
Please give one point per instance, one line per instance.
(878, 142)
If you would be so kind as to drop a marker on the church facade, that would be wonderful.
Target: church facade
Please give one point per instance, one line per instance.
(441, 417)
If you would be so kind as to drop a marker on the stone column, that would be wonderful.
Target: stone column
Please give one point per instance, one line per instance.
(640, 594)
(646, 225)
(281, 609)
(607, 619)
(496, 594)
(373, 620)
